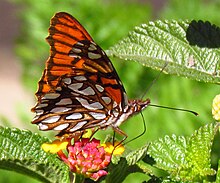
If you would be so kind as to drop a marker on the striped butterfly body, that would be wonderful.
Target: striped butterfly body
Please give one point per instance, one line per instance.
(80, 88)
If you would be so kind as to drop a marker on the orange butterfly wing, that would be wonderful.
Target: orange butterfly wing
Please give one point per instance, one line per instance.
(94, 95)
(64, 32)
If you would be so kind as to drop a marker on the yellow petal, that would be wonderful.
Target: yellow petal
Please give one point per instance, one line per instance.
(115, 150)
(55, 146)
(216, 107)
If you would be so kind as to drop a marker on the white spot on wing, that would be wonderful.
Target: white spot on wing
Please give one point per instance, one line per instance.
(92, 47)
(36, 117)
(99, 88)
(61, 127)
(80, 44)
(60, 109)
(39, 111)
(78, 126)
(87, 91)
(51, 119)
(41, 105)
(51, 96)
(97, 115)
(75, 116)
(80, 78)
(64, 101)
(76, 50)
(92, 106)
(42, 127)
(75, 86)
(107, 100)
(94, 55)
(115, 104)
(67, 80)
(125, 98)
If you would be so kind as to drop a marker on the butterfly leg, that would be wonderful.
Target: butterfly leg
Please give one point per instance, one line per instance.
(119, 131)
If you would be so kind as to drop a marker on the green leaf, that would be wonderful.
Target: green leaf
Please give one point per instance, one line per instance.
(160, 42)
(21, 151)
(168, 152)
(186, 159)
(198, 154)
(218, 173)
(134, 156)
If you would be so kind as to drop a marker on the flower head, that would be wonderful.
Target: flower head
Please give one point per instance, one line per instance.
(216, 107)
(87, 157)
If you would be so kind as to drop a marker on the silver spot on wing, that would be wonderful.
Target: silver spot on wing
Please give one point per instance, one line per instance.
(51, 119)
(51, 96)
(92, 106)
(80, 78)
(87, 91)
(125, 98)
(61, 127)
(60, 109)
(107, 100)
(75, 116)
(97, 115)
(41, 105)
(35, 117)
(42, 127)
(78, 126)
(94, 55)
(115, 104)
(99, 88)
(92, 47)
(64, 101)
(67, 80)
(39, 111)
(75, 86)
(79, 44)
(76, 50)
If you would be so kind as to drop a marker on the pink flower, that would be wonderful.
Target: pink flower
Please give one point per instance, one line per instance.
(87, 157)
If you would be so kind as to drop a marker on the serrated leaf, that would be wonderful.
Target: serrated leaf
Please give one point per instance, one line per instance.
(134, 156)
(21, 151)
(160, 42)
(168, 152)
(198, 154)
(186, 159)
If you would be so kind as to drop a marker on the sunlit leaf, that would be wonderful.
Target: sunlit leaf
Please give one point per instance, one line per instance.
(186, 159)
(160, 42)
(21, 151)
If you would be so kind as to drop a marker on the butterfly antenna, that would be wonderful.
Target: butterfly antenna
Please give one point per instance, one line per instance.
(176, 109)
(155, 79)
(145, 129)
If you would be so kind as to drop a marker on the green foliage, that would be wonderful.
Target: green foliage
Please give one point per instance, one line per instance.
(152, 45)
(178, 158)
(184, 158)
(21, 152)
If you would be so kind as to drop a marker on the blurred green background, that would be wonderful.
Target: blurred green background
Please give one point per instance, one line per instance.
(108, 21)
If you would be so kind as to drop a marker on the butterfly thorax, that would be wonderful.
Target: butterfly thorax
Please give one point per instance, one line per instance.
(133, 107)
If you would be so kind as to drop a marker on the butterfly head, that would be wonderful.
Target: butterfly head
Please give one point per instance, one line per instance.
(138, 105)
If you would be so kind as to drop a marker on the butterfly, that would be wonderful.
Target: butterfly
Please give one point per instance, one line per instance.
(79, 88)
